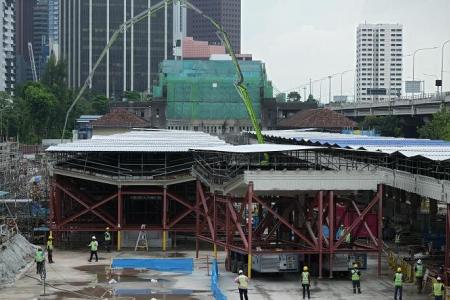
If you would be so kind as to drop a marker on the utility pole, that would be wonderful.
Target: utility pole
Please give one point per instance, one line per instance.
(310, 87)
(442, 66)
(329, 89)
(304, 93)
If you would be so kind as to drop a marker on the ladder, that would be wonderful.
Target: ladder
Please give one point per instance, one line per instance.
(142, 242)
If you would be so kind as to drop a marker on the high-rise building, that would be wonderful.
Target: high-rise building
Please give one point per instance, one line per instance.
(132, 62)
(40, 35)
(53, 21)
(226, 12)
(24, 35)
(379, 61)
(7, 48)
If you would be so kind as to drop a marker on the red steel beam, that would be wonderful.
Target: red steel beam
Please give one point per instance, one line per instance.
(277, 216)
(179, 200)
(237, 224)
(365, 225)
(331, 223)
(358, 220)
(104, 201)
(84, 204)
(180, 217)
(320, 229)
(380, 226)
(205, 208)
(119, 208)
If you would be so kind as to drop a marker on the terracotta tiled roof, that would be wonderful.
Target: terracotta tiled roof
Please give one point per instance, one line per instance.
(317, 118)
(121, 119)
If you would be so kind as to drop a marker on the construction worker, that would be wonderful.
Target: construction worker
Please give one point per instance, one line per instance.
(242, 282)
(398, 283)
(107, 240)
(348, 237)
(356, 275)
(39, 259)
(94, 247)
(306, 281)
(397, 242)
(438, 289)
(419, 275)
(340, 232)
(50, 249)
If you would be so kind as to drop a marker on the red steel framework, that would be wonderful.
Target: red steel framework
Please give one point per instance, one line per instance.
(223, 221)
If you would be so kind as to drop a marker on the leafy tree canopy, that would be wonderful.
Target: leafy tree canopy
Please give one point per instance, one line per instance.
(438, 128)
(384, 125)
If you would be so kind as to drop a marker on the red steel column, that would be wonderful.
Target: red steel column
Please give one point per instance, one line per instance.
(215, 225)
(197, 218)
(331, 225)
(250, 229)
(164, 220)
(380, 226)
(119, 216)
(227, 233)
(320, 232)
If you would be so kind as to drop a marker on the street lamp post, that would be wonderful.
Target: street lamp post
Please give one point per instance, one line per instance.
(435, 77)
(342, 74)
(414, 58)
(442, 64)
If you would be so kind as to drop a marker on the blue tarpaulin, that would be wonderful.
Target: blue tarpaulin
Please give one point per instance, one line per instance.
(185, 265)
(217, 292)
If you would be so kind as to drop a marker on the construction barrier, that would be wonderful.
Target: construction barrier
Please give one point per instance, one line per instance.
(183, 265)
(215, 289)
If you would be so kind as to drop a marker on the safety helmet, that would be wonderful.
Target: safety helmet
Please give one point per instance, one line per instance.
(241, 272)
(93, 237)
(419, 261)
(50, 237)
(305, 268)
(399, 269)
(39, 249)
(355, 265)
(107, 228)
(439, 278)
(342, 225)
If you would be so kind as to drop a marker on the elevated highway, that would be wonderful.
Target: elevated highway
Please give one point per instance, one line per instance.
(421, 106)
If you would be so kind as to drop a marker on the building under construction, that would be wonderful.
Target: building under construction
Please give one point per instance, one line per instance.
(287, 197)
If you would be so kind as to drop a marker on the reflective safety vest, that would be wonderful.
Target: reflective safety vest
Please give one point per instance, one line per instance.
(397, 238)
(348, 238)
(243, 282)
(419, 271)
(49, 245)
(305, 277)
(107, 236)
(355, 275)
(39, 256)
(93, 245)
(437, 289)
(398, 281)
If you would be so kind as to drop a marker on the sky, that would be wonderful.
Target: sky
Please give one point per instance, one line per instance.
(303, 39)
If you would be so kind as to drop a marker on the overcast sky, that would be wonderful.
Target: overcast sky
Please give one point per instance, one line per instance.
(302, 39)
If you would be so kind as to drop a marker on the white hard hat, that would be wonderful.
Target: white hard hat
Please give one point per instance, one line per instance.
(439, 279)
(93, 237)
(419, 261)
(241, 272)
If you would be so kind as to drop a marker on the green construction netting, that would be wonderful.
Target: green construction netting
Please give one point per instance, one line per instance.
(199, 89)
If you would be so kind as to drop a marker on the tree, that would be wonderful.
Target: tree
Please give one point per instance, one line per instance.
(312, 100)
(437, 128)
(294, 96)
(385, 125)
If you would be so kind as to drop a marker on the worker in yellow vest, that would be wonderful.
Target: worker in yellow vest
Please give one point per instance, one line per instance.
(306, 282)
(356, 276)
(50, 249)
(94, 246)
(438, 289)
(398, 283)
(107, 240)
(419, 275)
(39, 258)
(242, 282)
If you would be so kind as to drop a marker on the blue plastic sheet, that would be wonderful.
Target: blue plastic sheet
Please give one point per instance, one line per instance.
(185, 265)
(217, 292)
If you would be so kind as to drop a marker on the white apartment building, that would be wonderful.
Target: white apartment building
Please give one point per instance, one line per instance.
(7, 57)
(379, 62)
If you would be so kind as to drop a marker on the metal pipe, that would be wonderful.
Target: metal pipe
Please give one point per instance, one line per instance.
(442, 64)
(414, 58)
(320, 228)
(331, 226)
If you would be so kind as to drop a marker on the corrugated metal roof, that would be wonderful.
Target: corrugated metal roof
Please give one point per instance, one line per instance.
(142, 141)
(432, 149)
(255, 148)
